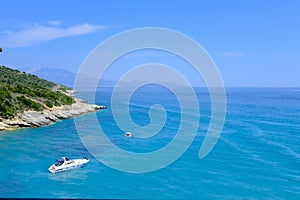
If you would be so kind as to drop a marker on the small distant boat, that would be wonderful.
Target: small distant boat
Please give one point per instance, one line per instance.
(128, 134)
(67, 164)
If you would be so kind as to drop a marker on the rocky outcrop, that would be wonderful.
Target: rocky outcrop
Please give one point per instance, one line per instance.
(45, 117)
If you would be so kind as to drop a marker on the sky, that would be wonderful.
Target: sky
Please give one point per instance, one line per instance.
(253, 43)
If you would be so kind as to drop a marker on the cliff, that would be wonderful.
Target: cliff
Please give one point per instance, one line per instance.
(47, 116)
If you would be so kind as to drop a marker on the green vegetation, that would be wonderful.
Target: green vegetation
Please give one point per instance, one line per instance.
(48, 104)
(20, 92)
(28, 104)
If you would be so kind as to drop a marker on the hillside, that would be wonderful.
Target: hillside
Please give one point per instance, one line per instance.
(21, 92)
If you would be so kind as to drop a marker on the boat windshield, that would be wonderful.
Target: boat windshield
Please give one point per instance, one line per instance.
(59, 162)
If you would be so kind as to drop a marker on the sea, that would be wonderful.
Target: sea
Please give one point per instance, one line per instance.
(257, 155)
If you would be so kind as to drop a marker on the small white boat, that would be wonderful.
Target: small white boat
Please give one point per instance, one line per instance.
(128, 134)
(67, 164)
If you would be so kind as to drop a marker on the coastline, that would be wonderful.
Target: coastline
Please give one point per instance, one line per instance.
(30, 119)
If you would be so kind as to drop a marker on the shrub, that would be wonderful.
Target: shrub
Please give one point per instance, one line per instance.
(48, 104)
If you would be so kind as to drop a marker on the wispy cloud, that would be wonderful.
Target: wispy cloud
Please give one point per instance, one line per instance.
(232, 54)
(37, 33)
(55, 22)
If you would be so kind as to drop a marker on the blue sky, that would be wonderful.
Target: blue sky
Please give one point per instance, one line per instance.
(253, 43)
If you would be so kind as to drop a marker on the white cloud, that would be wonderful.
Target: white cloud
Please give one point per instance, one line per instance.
(55, 22)
(40, 33)
(232, 54)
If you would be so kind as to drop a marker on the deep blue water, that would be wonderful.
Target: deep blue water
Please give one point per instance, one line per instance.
(257, 155)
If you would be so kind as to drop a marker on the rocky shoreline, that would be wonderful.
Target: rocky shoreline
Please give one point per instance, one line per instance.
(48, 116)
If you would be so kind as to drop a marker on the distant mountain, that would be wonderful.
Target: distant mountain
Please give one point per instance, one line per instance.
(56, 75)
(65, 77)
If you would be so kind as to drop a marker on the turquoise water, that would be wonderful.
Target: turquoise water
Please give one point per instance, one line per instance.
(257, 155)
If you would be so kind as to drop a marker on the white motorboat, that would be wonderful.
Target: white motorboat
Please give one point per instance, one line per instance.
(67, 164)
(128, 134)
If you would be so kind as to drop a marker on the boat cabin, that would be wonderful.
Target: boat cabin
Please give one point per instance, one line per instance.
(62, 161)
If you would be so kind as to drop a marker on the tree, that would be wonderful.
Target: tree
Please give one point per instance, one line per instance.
(0, 49)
